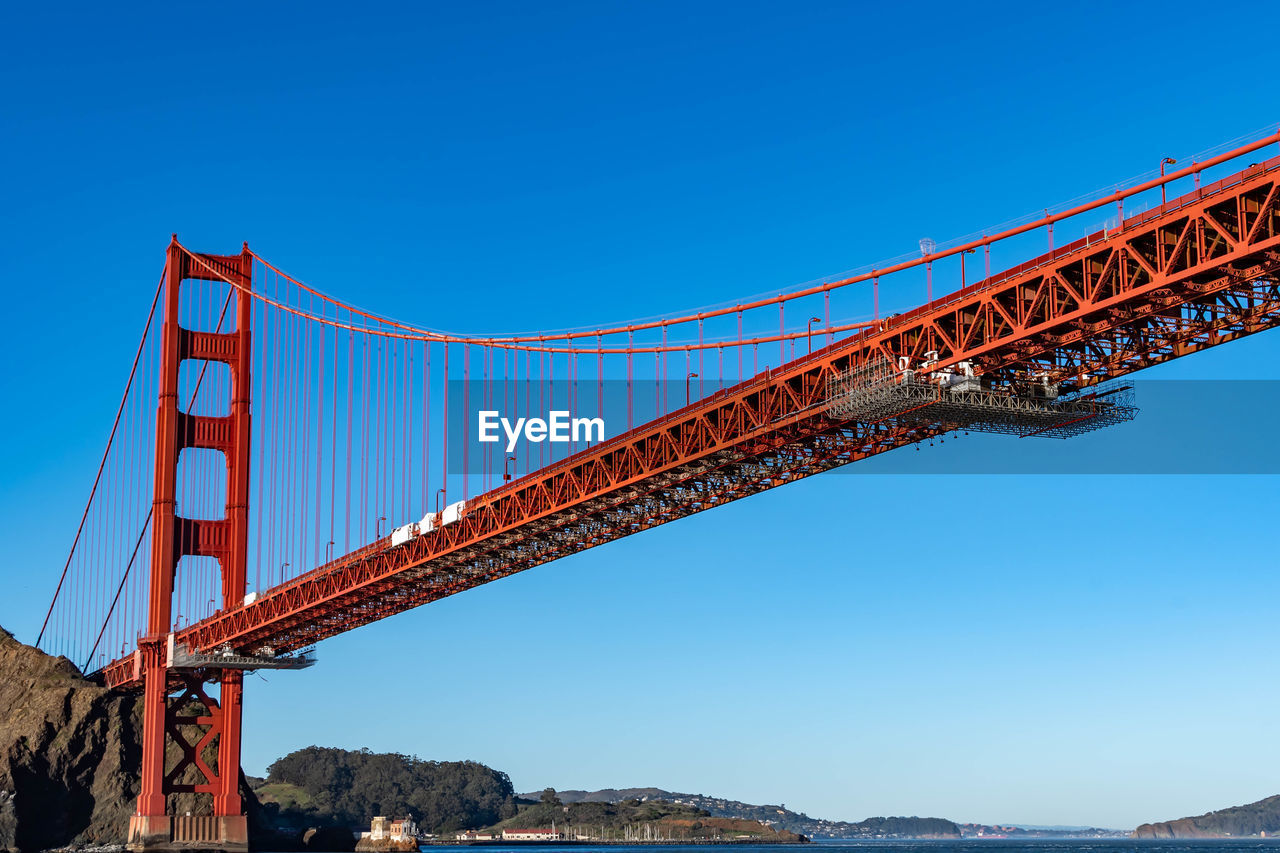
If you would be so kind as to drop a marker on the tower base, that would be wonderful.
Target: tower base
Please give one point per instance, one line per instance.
(151, 834)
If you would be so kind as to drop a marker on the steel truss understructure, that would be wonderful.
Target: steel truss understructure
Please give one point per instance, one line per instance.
(1196, 272)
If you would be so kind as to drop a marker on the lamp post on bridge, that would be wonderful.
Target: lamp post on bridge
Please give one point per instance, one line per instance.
(927, 248)
(812, 320)
(506, 474)
(1168, 161)
(686, 386)
(439, 497)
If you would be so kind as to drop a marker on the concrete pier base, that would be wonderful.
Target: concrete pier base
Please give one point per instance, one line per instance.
(163, 833)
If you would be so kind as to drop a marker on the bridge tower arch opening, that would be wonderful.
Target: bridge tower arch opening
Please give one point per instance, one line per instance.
(178, 709)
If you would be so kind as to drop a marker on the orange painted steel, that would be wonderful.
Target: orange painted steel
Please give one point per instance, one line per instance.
(1198, 271)
(174, 537)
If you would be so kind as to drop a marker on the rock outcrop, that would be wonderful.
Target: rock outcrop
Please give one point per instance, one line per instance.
(70, 758)
(69, 753)
(330, 839)
(385, 845)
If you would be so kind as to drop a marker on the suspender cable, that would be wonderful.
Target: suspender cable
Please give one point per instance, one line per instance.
(444, 434)
(739, 346)
(407, 428)
(333, 448)
(93, 490)
(701, 361)
(782, 330)
(351, 372)
(664, 370)
(426, 425)
(466, 419)
(826, 315)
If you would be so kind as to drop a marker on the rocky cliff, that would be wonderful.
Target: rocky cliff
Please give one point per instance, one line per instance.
(70, 753)
(67, 748)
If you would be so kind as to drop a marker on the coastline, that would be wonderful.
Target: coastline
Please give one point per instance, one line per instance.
(774, 839)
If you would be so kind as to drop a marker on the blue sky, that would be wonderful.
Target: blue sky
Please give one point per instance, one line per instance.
(1044, 649)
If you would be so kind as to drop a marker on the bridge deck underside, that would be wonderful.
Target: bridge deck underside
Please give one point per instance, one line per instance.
(1197, 272)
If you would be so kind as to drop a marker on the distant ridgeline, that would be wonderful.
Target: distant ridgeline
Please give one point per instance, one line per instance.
(1256, 819)
(777, 817)
(633, 819)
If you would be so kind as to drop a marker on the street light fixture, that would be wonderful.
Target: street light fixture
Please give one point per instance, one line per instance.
(506, 474)
(686, 386)
(439, 495)
(812, 320)
(1168, 161)
(927, 248)
(377, 527)
(962, 273)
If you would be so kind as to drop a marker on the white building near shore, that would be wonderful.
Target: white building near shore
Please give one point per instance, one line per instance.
(532, 835)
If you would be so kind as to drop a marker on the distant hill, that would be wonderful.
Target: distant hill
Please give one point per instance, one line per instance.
(1255, 819)
(775, 816)
(635, 819)
(344, 788)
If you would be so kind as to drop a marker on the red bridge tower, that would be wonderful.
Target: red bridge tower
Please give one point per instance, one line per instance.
(193, 720)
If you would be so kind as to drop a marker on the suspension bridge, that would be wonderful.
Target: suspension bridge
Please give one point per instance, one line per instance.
(353, 436)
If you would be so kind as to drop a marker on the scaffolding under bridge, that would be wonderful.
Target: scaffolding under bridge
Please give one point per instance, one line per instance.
(956, 399)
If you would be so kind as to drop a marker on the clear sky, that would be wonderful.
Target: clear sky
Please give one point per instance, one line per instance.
(1043, 649)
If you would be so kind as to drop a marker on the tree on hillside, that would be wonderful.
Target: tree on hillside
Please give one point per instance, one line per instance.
(347, 788)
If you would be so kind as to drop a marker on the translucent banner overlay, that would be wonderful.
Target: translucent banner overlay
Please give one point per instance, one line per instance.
(1182, 427)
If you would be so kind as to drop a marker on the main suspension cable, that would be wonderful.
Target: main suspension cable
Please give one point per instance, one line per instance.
(925, 259)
